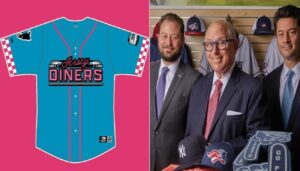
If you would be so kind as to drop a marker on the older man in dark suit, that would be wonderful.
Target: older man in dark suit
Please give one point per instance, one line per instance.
(281, 87)
(170, 88)
(224, 104)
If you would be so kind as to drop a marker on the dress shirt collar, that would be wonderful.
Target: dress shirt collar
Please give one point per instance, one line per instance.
(225, 77)
(172, 67)
(296, 70)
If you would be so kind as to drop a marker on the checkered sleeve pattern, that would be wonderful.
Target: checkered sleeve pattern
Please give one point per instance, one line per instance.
(142, 57)
(8, 57)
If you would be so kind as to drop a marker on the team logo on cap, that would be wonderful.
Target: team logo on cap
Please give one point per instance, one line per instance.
(181, 150)
(264, 25)
(217, 155)
(193, 26)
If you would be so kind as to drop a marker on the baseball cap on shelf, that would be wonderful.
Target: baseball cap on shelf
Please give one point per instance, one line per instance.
(195, 26)
(191, 150)
(219, 156)
(263, 25)
(155, 30)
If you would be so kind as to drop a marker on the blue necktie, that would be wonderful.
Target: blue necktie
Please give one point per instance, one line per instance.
(287, 98)
(160, 90)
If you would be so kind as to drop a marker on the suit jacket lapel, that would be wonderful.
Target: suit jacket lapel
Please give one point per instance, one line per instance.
(277, 118)
(276, 87)
(228, 93)
(153, 78)
(295, 109)
(171, 91)
(207, 86)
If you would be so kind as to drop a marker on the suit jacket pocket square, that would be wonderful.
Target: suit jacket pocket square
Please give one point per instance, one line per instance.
(233, 113)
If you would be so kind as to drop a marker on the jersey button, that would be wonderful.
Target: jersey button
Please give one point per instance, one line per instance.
(156, 132)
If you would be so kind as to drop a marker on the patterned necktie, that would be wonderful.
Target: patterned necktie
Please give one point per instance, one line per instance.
(160, 90)
(287, 98)
(212, 107)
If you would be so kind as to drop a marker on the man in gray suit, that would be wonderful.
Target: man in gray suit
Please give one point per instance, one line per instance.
(170, 88)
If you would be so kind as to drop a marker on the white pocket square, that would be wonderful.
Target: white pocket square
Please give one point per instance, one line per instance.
(233, 113)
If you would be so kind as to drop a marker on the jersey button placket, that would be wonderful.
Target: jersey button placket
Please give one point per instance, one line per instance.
(75, 52)
(75, 112)
(75, 124)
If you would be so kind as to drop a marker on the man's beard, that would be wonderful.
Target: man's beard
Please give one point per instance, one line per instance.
(172, 58)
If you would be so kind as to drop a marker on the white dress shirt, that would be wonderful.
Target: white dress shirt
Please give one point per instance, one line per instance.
(224, 80)
(170, 75)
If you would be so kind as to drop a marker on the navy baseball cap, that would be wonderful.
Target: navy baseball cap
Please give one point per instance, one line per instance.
(263, 25)
(191, 150)
(219, 156)
(195, 26)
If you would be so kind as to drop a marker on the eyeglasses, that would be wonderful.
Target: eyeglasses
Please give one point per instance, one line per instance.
(220, 44)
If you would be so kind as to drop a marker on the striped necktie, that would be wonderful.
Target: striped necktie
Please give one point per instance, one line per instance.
(212, 106)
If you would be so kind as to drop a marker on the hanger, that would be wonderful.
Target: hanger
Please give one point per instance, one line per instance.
(228, 18)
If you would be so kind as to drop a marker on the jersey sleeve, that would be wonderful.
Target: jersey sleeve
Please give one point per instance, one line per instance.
(245, 54)
(273, 58)
(129, 51)
(21, 52)
(204, 67)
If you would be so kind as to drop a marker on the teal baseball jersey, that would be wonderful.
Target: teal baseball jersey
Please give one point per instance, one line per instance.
(75, 63)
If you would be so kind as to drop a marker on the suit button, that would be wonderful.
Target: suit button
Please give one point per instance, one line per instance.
(156, 132)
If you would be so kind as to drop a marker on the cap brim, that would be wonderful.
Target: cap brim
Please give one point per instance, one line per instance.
(187, 166)
(216, 168)
(194, 33)
(258, 32)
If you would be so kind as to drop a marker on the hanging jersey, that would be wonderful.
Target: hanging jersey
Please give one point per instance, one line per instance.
(273, 57)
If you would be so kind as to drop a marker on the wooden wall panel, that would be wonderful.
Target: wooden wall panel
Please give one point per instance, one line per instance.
(243, 20)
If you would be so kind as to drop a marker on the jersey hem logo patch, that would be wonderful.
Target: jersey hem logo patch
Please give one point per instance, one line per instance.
(105, 139)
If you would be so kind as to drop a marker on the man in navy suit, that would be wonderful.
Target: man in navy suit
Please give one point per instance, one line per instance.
(224, 104)
(281, 94)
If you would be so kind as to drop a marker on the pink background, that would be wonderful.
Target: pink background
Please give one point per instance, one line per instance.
(18, 101)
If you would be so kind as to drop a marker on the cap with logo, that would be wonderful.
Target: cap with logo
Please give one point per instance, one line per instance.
(195, 26)
(219, 156)
(191, 150)
(194, 152)
(262, 26)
